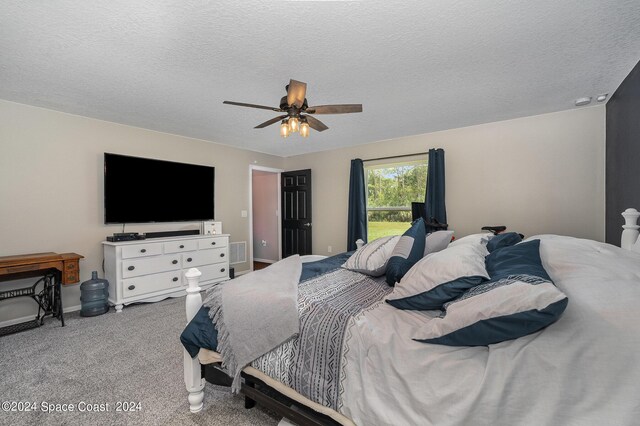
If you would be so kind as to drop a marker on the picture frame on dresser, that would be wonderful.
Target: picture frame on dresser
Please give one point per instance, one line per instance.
(152, 270)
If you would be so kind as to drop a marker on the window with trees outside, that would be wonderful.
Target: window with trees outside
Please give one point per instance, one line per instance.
(391, 188)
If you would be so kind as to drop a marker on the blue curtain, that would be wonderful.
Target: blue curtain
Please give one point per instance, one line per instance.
(357, 220)
(434, 198)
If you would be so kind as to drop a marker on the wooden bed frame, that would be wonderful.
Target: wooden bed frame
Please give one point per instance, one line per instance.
(254, 387)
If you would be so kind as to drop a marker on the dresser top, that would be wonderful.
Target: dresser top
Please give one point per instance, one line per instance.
(161, 240)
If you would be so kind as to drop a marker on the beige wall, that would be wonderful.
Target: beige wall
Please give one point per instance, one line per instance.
(51, 178)
(539, 174)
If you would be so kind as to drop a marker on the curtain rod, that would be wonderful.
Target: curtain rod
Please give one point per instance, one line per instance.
(395, 156)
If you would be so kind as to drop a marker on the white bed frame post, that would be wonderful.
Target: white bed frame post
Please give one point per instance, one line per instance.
(630, 233)
(192, 369)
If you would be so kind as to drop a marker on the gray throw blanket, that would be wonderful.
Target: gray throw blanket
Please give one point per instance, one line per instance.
(255, 313)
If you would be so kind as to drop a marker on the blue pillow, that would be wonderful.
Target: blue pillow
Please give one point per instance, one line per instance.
(503, 240)
(408, 250)
(521, 259)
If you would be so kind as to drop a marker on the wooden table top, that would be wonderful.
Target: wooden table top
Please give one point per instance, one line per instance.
(30, 259)
(18, 266)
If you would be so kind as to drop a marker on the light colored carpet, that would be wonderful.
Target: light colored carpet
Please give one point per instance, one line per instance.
(134, 356)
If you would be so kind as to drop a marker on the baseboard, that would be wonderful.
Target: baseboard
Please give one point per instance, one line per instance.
(255, 259)
(32, 317)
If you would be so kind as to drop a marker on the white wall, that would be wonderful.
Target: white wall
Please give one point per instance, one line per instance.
(535, 174)
(539, 174)
(51, 186)
(265, 218)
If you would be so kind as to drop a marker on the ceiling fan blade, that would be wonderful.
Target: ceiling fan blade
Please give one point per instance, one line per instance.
(334, 109)
(270, 122)
(296, 93)
(242, 104)
(315, 124)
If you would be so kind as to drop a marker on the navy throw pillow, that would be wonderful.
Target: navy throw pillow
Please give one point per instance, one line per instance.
(521, 259)
(503, 240)
(407, 252)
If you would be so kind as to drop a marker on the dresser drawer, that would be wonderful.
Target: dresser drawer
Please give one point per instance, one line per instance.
(136, 267)
(214, 272)
(180, 246)
(150, 283)
(141, 250)
(213, 242)
(204, 257)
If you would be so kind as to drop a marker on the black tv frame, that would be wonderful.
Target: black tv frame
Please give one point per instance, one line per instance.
(151, 187)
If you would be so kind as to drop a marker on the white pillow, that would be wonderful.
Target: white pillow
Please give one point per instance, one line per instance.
(437, 241)
(371, 259)
(473, 239)
(497, 311)
(441, 277)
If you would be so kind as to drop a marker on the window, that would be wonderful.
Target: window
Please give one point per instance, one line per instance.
(391, 187)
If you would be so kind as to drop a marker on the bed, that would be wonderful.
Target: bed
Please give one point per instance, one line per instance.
(582, 369)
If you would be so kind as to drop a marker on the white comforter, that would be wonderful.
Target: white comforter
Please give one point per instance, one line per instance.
(582, 370)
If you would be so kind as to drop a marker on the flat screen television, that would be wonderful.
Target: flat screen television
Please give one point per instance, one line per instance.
(142, 190)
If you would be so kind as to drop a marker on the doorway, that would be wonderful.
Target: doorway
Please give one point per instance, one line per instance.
(265, 239)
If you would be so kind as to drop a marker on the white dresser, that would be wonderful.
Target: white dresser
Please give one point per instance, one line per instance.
(152, 270)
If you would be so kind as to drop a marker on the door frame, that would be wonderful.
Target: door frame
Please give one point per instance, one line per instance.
(253, 167)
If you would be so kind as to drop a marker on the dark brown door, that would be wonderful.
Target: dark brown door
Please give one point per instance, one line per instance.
(296, 213)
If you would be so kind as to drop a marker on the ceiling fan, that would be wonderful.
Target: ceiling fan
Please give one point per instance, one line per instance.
(297, 115)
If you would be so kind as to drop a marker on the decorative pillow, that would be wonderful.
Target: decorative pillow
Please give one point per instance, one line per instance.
(473, 239)
(521, 259)
(441, 277)
(371, 259)
(503, 240)
(408, 250)
(499, 310)
(437, 241)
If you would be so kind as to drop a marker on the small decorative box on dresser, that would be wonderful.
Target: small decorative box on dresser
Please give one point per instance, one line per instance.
(152, 270)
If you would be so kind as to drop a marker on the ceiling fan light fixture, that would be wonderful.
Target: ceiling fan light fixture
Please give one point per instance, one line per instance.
(304, 129)
(284, 129)
(294, 124)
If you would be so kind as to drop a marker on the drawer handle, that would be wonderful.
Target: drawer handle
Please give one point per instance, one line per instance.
(143, 250)
(131, 287)
(181, 245)
(222, 270)
(175, 279)
(221, 254)
(131, 268)
(175, 262)
(189, 259)
(213, 243)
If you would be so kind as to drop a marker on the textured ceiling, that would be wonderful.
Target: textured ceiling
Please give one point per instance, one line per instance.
(416, 66)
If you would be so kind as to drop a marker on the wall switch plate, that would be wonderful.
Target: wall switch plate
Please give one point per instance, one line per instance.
(211, 228)
(243, 213)
(329, 249)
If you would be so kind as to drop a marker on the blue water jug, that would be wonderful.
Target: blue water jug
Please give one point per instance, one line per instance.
(94, 296)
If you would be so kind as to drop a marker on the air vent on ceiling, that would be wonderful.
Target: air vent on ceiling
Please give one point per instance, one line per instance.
(238, 252)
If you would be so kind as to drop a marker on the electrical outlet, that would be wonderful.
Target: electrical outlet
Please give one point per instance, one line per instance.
(264, 243)
(243, 213)
(329, 249)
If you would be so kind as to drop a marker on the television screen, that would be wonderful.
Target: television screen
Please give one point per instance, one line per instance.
(139, 190)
